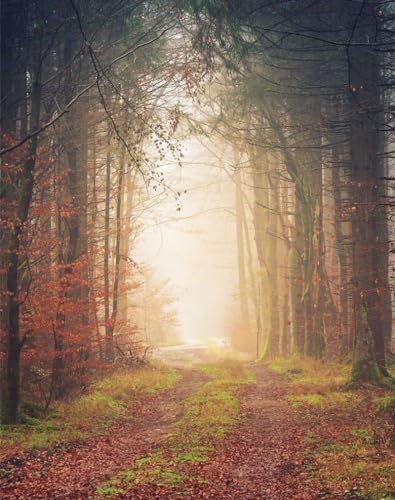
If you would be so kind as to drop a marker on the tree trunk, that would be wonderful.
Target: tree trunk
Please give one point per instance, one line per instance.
(117, 256)
(342, 228)
(273, 343)
(296, 282)
(244, 310)
(109, 341)
(369, 247)
(11, 398)
(260, 223)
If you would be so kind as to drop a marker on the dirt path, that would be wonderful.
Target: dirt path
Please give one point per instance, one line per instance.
(257, 460)
(74, 472)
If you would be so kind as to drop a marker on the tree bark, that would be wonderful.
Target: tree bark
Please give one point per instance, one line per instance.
(244, 309)
(109, 341)
(369, 248)
(11, 398)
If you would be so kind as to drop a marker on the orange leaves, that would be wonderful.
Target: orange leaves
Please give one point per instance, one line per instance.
(66, 214)
(380, 291)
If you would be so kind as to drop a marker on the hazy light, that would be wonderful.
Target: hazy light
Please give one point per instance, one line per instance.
(195, 247)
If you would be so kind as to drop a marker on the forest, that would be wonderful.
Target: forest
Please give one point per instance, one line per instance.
(197, 249)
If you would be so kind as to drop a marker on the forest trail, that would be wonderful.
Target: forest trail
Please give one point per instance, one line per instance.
(73, 471)
(258, 459)
(254, 461)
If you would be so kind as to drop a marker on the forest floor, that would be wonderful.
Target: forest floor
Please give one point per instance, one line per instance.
(225, 431)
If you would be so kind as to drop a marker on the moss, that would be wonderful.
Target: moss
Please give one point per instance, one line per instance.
(109, 491)
(352, 462)
(228, 371)
(191, 456)
(331, 399)
(310, 399)
(286, 366)
(152, 469)
(359, 468)
(365, 370)
(310, 438)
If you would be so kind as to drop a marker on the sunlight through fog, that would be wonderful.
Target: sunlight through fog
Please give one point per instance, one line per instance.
(195, 247)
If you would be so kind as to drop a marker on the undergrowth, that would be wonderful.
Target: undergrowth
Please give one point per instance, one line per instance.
(90, 414)
(349, 445)
(207, 417)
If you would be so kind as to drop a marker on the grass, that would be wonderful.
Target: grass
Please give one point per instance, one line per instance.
(208, 415)
(152, 469)
(328, 400)
(385, 403)
(311, 375)
(349, 439)
(89, 414)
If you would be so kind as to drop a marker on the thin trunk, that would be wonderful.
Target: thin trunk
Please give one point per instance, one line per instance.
(92, 262)
(296, 282)
(273, 343)
(252, 285)
(285, 335)
(118, 240)
(342, 236)
(260, 223)
(321, 293)
(108, 331)
(129, 192)
(244, 310)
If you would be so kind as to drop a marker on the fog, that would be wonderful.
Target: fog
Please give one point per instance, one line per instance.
(195, 246)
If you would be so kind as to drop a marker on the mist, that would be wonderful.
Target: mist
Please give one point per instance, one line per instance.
(195, 247)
